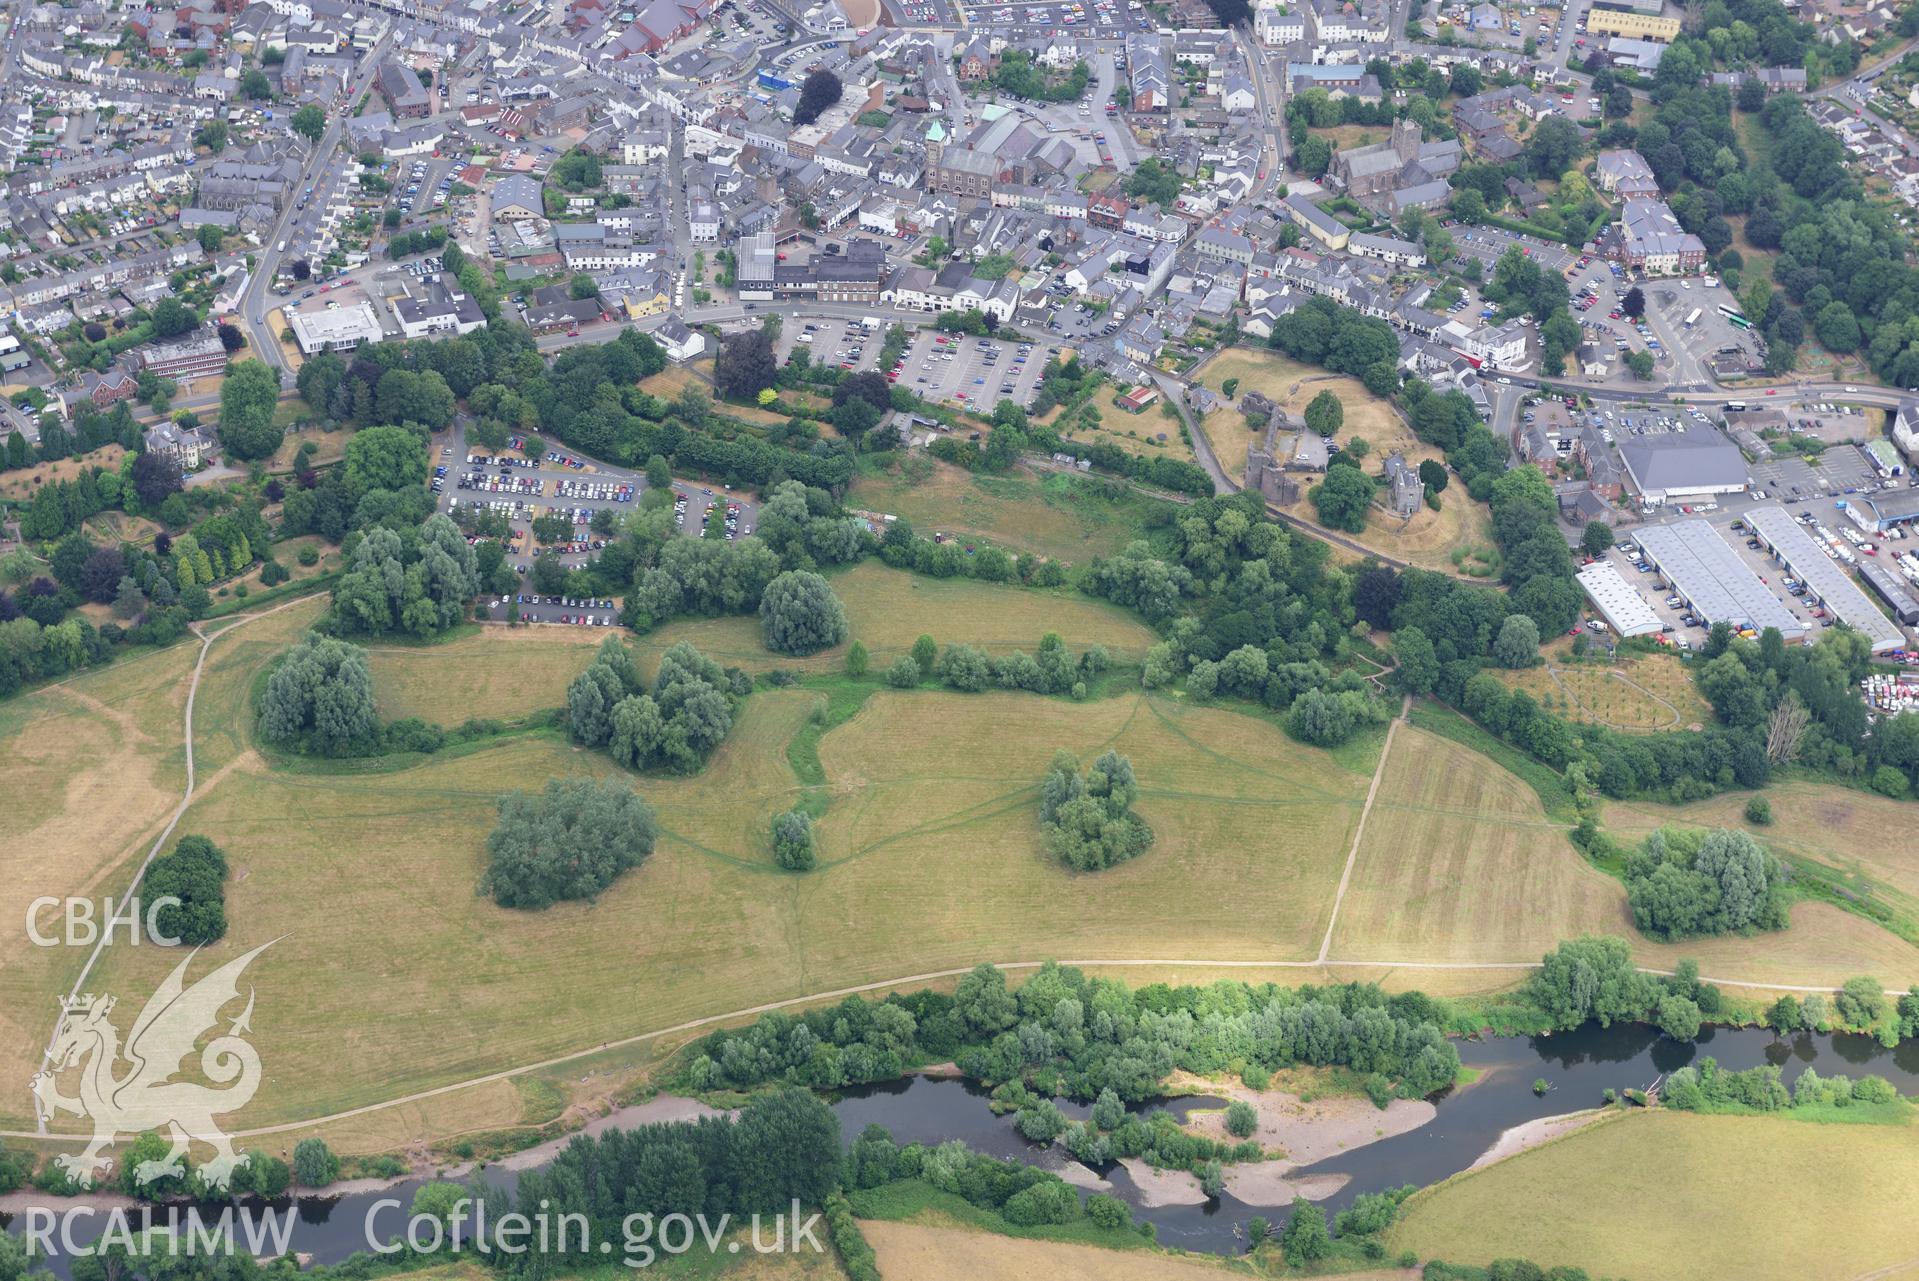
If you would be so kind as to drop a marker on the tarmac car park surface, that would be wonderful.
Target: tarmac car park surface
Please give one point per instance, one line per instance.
(566, 483)
(972, 373)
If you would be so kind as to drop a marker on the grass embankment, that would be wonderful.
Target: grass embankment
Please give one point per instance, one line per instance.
(1763, 1198)
(393, 975)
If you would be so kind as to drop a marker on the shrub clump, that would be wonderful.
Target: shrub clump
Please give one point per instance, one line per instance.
(1088, 820)
(567, 842)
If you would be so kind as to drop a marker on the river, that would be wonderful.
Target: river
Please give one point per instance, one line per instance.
(1578, 1066)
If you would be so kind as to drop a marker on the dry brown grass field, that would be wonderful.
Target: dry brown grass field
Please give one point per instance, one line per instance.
(93, 767)
(935, 1249)
(391, 974)
(1637, 695)
(1764, 1198)
(1838, 826)
(494, 673)
(1460, 863)
(504, 672)
(23, 483)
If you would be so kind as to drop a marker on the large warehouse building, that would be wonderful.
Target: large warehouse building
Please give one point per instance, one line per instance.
(1823, 576)
(1709, 576)
(1617, 601)
(1683, 465)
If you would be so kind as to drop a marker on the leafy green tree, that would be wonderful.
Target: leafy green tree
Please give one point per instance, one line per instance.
(745, 364)
(1590, 978)
(386, 458)
(192, 872)
(904, 673)
(314, 1165)
(171, 318)
(793, 840)
(320, 696)
(799, 614)
(1305, 1240)
(1517, 644)
(1088, 820)
(820, 90)
(1596, 538)
(1861, 1002)
(1343, 499)
(264, 1174)
(568, 841)
(1325, 414)
(255, 85)
(1241, 1119)
(924, 651)
(857, 660)
(248, 399)
(310, 122)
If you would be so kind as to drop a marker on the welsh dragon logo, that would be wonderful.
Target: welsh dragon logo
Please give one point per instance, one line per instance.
(143, 1096)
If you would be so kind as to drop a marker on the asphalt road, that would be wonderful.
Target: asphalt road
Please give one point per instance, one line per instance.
(258, 299)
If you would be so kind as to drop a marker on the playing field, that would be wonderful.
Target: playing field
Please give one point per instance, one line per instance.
(1687, 1198)
(391, 974)
(1429, 538)
(1637, 695)
(1067, 518)
(1461, 864)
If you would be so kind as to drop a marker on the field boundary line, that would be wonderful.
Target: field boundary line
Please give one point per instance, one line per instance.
(179, 812)
(1365, 812)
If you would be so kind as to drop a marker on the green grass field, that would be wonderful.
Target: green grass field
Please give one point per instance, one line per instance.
(506, 672)
(1687, 1198)
(1068, 518)
(392, 975)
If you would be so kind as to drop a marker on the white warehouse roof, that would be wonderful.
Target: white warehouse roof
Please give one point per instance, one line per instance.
(1710, 576)
(1617, 600)
(1823, 576)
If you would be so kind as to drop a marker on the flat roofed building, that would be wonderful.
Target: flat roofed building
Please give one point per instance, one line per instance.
(1709, 576)
(340, 330)
(1617, 600)
(1641, 26)
(1885, 509)
(1684, 464)
(1807, 561)
(1892, 589)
